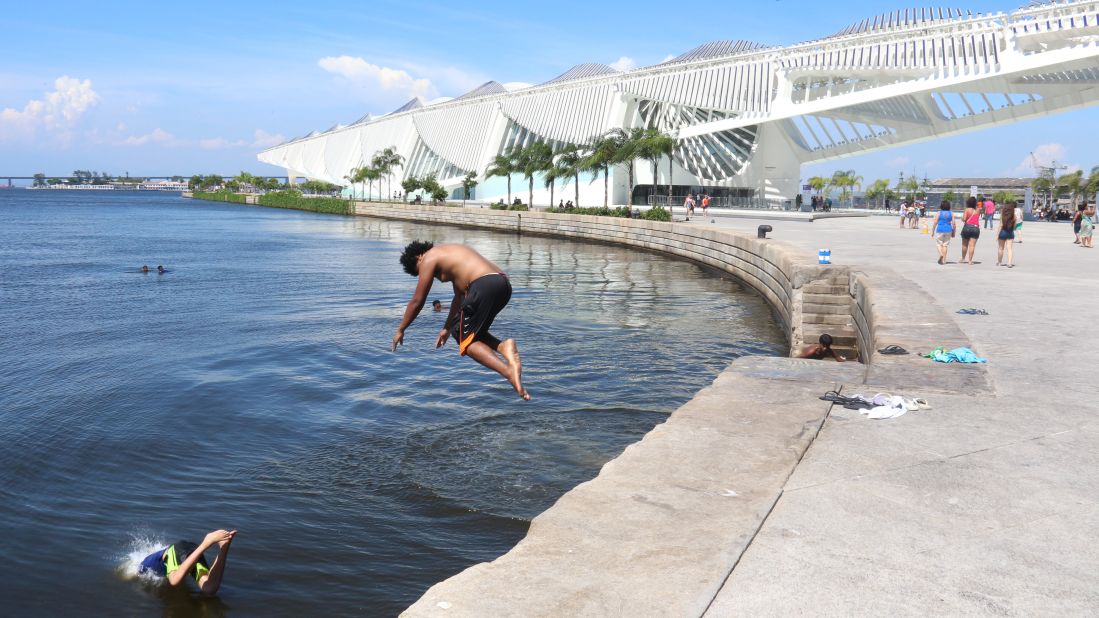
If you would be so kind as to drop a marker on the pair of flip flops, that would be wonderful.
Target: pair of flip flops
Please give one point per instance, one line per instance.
(972, 312)
(893, 350)
(851, 403)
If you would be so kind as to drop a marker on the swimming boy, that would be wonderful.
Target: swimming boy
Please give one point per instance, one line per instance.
(481, 290)
(184, 558)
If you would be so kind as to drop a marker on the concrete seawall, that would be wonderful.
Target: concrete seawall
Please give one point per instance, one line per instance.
(807, 298)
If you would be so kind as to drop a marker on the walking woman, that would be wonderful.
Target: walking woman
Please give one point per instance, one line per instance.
(1087, 225)
(1006, 238)
(944, 230)
(971, 229)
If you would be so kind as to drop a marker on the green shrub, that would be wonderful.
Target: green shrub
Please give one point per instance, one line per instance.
(620, 211)
(295, 200)
(656, 213)
(519, 207)
(220, 196)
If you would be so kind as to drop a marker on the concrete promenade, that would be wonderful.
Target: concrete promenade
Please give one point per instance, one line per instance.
(984, 505)
(757, 499)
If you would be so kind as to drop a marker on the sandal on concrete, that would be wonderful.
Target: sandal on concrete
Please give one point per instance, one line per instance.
(893, 350)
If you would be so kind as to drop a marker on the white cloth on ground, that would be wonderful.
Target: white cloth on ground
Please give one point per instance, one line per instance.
(887, 406)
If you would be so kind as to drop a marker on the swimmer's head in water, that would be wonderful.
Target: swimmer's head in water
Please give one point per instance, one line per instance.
(411, 255)
(177, 554)
(826, 340)
(159, 268)
(436, 304)
(144, 268)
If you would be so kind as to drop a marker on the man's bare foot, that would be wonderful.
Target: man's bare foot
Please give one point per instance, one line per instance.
(510, 351)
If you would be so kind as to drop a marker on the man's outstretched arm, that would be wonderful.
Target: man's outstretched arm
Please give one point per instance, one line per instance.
(451, 319)
(419, 297)
(210, 583)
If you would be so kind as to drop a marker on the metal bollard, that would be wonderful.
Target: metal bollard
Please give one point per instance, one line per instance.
(761, 231)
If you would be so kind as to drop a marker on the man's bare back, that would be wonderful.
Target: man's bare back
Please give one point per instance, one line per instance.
(481, 290)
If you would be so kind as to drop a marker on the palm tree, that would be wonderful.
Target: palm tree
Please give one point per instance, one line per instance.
(1073, 184)
(533, 159)
(1043, 184)
(818, 183)
(653, 145)
(370, 174)
(468, 183)
(352, 178)
(1092, 185)
(846, 181)
(502, 165)
(910, 186)
(666, 145)
(569, 165)
(379, 163)
(357, 176)
(604, 151)
(879, 188)
(549, 179)
(626, 152)
(392, 160)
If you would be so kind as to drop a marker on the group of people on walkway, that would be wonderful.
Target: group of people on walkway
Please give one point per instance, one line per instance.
(702, 200)
(944, 227)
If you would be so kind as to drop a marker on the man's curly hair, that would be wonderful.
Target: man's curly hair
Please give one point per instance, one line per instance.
(411, 253)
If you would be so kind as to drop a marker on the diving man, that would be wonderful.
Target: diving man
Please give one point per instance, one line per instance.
(481, 290)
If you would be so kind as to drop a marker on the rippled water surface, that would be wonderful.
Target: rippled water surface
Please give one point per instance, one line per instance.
(252, 388)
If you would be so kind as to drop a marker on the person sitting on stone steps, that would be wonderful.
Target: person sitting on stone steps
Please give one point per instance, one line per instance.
(821, 350)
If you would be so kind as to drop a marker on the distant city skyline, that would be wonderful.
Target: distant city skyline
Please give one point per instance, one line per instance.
(147, 90)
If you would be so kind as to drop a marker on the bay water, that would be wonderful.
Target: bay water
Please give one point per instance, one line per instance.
(251, 387)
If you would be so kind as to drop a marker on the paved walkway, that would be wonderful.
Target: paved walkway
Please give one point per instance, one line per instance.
(983, 505)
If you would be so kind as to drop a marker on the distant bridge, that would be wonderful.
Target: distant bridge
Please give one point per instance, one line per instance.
(10, 178)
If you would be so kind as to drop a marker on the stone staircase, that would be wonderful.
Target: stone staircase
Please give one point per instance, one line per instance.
(826, 308)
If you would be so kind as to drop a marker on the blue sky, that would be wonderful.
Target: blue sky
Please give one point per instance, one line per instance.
(200, 87)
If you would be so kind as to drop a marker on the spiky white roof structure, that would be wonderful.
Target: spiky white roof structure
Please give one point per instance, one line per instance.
(748, 115)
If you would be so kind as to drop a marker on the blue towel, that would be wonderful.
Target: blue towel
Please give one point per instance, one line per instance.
(957, 355)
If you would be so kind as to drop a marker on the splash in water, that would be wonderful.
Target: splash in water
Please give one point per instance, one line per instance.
(140, 546)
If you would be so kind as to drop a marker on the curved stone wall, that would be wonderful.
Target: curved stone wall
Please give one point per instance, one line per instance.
(806, 297)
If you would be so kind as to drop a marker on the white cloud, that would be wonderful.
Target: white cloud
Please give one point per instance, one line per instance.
(57, 111)
(450, 80)
(668, 57)
(898, 162)
(156, 136)
(220, 143)
(1043, 155)
(363, 73)
(625, 63)
(263, 139)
